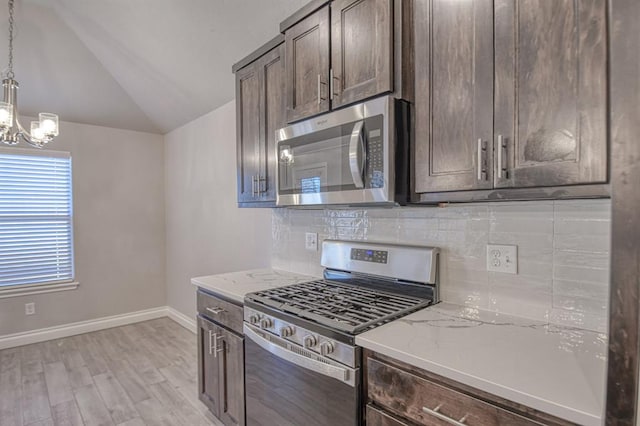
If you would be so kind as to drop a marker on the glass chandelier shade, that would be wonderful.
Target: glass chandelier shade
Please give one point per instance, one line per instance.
(40, 132)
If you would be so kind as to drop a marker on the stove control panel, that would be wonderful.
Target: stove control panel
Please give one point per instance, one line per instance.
(366, 255)
(304, 339)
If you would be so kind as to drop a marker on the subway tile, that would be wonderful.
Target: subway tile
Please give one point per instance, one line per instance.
(581, 227)
(581, 274)
(521, 225)
(582, 289)
(472, 294)
(576, 303)
(583, 243)
(522, 210)
(598, 260)
(535, 270)
(582, 209)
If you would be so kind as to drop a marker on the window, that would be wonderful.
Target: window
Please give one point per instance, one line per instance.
(36, 220)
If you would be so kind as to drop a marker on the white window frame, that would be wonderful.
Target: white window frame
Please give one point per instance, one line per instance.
(16, 290)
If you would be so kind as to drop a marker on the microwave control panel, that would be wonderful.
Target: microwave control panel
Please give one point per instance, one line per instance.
(375, 152)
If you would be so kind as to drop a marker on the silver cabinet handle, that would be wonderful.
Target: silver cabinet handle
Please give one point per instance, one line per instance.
(436, 413)
(210, 342)
(281, 350)
(216, 350)
(356, 145)
(215, 311)
(331, 77)
(261, 180)
(502, 148)
(482, 160)
(320, 84)
(253, 186)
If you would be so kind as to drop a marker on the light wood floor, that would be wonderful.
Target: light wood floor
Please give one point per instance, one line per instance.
(139, 374)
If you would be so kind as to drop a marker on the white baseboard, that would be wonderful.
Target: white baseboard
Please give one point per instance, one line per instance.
(182, 319)
(66, 330)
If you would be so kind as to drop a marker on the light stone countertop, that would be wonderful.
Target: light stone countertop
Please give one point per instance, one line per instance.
(555, 369)
(235, 285)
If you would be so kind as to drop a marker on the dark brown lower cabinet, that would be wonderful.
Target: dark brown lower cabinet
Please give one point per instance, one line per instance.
(400, 394)
(220, 368)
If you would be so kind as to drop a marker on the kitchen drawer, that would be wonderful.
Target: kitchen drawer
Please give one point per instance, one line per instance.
(221, 311)
(376, 417)
(427, 403)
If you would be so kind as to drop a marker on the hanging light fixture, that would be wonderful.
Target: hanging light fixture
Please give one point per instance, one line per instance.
(11, 131)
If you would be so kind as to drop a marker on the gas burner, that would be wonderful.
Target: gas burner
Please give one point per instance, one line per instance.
(344, 307)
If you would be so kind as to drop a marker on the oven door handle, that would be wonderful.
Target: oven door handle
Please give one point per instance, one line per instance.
(356, 150)
(345, 375)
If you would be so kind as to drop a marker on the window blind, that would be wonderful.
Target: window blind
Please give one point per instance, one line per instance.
(36, 227)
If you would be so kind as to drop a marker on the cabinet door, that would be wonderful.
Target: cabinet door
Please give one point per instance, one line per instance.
(453, 95)
(272, 118)
(307, 50)
(248, 131)
(208, 366)
(550, 119)
(232, 379)
(361, 49)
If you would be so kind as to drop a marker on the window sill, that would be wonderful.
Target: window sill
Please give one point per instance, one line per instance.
(27, 290)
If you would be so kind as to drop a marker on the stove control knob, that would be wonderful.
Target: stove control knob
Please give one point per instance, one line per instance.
(309, 341)
(326, 348)
(287, 331)
(266, 322)
(254, 319)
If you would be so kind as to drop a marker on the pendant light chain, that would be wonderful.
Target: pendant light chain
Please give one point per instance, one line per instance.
(11, 131)
(10, 67)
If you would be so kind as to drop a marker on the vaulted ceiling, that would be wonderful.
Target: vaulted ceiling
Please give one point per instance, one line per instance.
(147, 65)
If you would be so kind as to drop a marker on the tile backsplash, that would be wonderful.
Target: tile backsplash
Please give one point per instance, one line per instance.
(563, 252)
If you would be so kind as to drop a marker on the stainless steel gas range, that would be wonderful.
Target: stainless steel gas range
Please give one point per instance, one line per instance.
(302, 366)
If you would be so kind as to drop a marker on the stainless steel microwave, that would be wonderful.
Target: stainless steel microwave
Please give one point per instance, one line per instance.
(356, 155)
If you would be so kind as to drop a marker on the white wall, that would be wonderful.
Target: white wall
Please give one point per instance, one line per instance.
(206, 232)
(118, 191)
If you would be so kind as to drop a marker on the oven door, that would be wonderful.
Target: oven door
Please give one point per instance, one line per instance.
(287, 387)
(339, 158)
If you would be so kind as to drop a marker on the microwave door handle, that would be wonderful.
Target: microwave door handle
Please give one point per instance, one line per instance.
(356, 148)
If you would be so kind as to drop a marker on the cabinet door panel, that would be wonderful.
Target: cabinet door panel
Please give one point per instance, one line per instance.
(454, 95)
(274, 118)
(248, 131)
(550, 92)
(307, 51)
(362, 54)
(232, 379)
(208, 366)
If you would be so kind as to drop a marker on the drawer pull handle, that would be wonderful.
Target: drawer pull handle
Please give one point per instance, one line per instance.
(436, 413)
(216, 310)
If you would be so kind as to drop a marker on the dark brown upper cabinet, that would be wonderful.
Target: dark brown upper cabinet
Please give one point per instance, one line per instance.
(454, 95)
(361, 50)
(340, 54)
(510, 94)
(260, 111)
(551, 92)
(307, 70)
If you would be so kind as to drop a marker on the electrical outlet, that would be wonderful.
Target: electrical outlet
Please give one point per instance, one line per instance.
(311, 241)
(502, 258)
(29, 308)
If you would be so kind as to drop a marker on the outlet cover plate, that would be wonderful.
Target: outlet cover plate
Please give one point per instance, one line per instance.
(311, 241)
(29, 308)
(502, 258)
